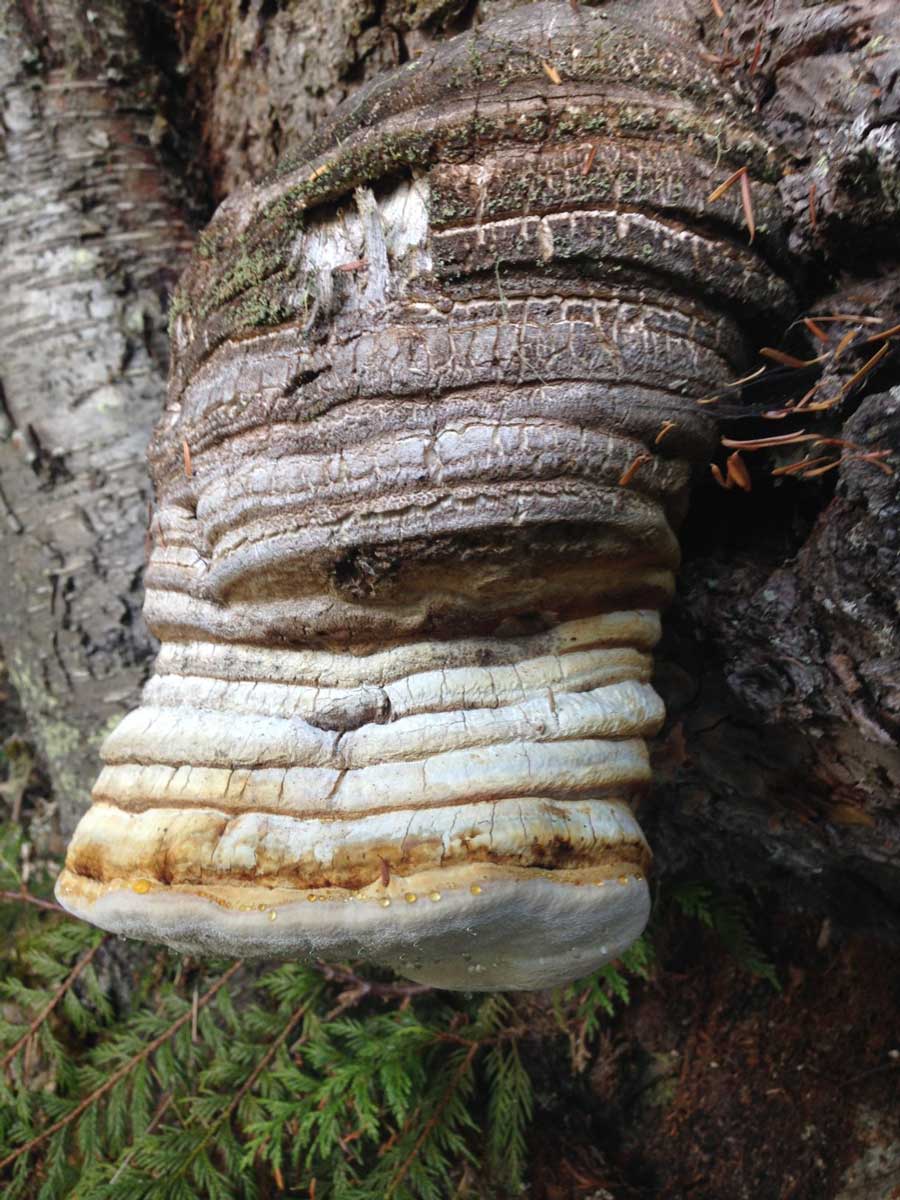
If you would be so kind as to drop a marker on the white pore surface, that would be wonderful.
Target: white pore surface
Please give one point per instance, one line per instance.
(512, 933)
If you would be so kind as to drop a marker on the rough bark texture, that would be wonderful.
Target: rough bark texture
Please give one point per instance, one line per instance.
(263, 76)
(779, 667)
(782, 657)
(431, 417)
(824, 83)
(91, 240)
(779, 661)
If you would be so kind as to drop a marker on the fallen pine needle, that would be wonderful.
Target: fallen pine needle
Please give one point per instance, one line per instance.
(718, 477)
(188, 464)
(875, 459)
(843, 318)
(629, 473)
(839, 441)
(719, 192)
(551, 72)
(747, 378)
(885, 333)
(717, 9)
(802, 405)
(815, 330)
(787, 360)
(783, 439)
(665, 430)
(746, 198)
(823, 405)
(589, 161)
(797, 467)
(821, 470)
(747, 201)
(734, 383)
(806, 397)
(844, 343)
(737, 471)
(865, 369)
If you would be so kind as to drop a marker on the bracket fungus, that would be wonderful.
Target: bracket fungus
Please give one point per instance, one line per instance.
(405, 577)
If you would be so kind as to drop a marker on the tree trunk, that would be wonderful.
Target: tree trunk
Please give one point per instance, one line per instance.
(93, 234)
(779, 664)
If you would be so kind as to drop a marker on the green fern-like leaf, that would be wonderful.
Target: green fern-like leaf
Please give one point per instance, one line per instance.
(729, 918)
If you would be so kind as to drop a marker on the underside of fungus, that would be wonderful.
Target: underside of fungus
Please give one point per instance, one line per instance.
(431, 422)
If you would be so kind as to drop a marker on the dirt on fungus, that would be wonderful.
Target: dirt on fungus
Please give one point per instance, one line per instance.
(712, 1085)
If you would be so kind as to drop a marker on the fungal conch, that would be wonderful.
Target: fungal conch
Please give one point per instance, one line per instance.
(431, 422)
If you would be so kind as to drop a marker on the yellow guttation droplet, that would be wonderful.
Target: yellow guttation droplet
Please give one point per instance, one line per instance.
(311, 898)
(601, 883)
(385, 903)
(411, 897)
(475, 889)
(141, 886)
(434, 896)
(273, 916)
(623, 879)
(261, 907)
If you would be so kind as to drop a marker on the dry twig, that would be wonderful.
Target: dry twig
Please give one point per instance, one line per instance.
(122, 1071)
(48, 1008)
(25, 897)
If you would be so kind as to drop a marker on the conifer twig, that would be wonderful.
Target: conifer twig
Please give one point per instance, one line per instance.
(247, 1084)
(161, 1109)
(124, 1070)
(48, 1008)
(258, 1069)
(402, 1171)
(337, 974)
(25, 897)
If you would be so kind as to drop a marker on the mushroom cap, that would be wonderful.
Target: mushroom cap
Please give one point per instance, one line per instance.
(477, 927)
(480, 839)
(404, 562)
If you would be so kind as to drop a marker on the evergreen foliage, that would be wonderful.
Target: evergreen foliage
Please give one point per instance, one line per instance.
(729, 918)
(130, 1073)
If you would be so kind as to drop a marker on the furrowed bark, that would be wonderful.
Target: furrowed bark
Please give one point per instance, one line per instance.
(824, 81)
(92, 237)
(779, 665)
(430, 427)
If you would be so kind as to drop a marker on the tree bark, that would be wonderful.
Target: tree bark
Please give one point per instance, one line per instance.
(780, 661)
(93, 234)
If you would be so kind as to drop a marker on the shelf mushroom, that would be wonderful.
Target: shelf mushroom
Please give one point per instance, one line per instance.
(431, 425)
